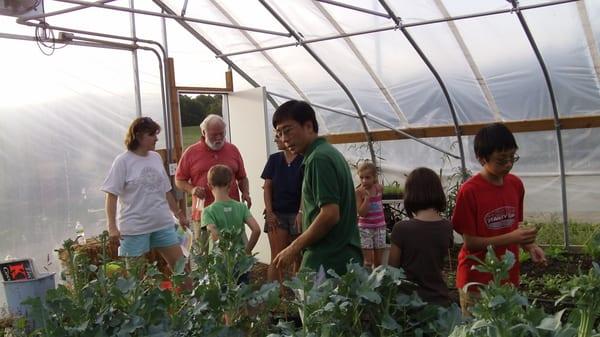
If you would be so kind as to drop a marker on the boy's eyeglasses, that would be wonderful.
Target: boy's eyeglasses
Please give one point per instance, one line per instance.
(502, 162)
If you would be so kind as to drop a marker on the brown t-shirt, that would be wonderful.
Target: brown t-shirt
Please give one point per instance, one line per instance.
(423, 247)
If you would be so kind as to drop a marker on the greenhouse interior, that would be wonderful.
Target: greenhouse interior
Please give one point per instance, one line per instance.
(402, 83)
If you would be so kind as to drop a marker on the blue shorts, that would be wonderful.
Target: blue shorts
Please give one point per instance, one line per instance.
(138, 245)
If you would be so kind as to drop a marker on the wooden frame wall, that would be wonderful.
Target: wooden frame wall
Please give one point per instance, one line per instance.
(173, 92)
(575, 122)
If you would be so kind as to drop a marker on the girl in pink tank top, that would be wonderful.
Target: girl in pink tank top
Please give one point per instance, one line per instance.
(371, 220)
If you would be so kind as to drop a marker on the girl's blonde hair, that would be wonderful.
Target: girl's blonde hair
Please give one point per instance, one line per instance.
(367, 165)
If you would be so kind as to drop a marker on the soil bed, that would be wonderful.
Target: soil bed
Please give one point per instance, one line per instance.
(539, 283)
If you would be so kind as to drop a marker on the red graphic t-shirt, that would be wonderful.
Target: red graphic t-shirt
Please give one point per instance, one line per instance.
(486, 210)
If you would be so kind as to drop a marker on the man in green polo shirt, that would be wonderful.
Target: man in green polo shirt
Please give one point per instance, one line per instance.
(330, 232)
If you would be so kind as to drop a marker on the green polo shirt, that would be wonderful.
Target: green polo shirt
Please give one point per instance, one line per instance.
(327, 180)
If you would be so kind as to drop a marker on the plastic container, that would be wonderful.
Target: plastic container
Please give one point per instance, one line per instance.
(18, 291)
(80, 233)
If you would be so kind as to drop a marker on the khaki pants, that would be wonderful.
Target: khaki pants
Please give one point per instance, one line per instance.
(467, 301)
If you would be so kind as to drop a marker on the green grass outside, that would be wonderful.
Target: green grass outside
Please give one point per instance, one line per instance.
(191, 134)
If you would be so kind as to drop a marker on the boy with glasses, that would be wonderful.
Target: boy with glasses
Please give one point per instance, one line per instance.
(489, 210)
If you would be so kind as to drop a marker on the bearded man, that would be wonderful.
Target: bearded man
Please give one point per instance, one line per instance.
(191, 175)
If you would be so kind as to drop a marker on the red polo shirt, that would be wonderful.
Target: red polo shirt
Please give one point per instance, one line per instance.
(199, 158)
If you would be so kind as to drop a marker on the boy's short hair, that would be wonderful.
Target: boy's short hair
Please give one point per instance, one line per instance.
(298, 111)
(492, 138)
(220, 176)
(367, 165)
(423, 190)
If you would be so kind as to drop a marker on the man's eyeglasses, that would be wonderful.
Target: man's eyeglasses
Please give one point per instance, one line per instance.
(503, 161)
(285, 131)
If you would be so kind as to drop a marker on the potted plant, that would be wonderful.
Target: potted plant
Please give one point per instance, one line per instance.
(393, 191)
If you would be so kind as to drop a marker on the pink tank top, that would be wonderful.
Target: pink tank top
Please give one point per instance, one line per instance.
(375, 218)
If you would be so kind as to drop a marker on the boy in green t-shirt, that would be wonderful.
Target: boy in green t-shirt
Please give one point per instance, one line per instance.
(226, 213)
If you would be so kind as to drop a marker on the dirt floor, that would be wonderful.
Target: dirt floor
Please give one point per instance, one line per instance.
(258, 274)
(539, 283)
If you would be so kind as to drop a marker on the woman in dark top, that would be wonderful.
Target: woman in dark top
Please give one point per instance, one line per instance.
(282, 190)
(420, 244)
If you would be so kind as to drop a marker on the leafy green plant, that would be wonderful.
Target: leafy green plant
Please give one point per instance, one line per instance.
(219, 304)
(501, 310)
(547, 286)
(108, 304)
(551, 231)
(377, 303)
(592, 245)
(584, 290)
(211, 301)
(393, 190)
(452, 183)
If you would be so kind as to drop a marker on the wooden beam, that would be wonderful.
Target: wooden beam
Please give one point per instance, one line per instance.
(209, 90)
(176, 122)
(175, 113)
(203, 90)
(229, 80)
(575, 122)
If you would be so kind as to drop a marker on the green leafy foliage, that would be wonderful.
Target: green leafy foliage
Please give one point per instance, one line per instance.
(592, 245)
(195, 109)
(503, 311)
(128, 304)
(584, 290)
(219, 304)
(211, 301)
(393, 190)
(551, 231)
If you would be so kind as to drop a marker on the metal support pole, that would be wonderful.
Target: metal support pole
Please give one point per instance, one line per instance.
(62, 11)
(134, 63)
(166, 108)
(354, 8)
(212, 47)
(394, 27)
(376, 121)
(163, 26)
(331, 73)
(555, 114)
(437, 76)
(177, 17)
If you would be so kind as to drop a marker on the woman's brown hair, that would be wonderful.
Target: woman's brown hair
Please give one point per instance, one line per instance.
(140, 126)
(423, 190)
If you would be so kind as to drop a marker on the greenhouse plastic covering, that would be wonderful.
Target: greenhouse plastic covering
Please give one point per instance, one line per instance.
(63, 116)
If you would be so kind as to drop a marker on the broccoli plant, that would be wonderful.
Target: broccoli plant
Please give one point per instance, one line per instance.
(585, 292)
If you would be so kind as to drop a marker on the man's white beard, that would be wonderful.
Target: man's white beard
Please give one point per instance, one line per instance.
(213, 146)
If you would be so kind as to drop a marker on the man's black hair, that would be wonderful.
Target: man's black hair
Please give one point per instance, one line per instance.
(298, 111)
(492, 138)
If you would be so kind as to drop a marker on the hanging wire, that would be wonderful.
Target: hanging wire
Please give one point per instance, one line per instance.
(45, 39)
